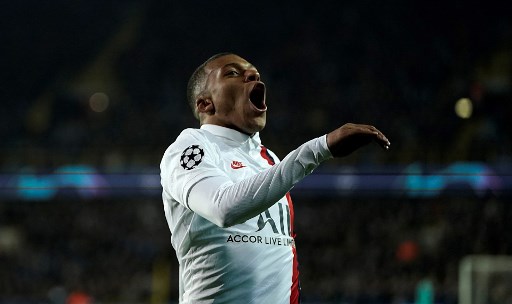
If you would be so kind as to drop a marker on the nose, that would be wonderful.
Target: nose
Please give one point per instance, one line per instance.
(252, 75)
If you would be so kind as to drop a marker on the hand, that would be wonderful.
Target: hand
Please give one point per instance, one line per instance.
(350, 137)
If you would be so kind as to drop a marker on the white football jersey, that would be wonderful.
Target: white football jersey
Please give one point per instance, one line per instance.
(253, 261)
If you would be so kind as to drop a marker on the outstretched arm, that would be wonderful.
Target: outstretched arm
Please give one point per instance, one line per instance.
(226, 203)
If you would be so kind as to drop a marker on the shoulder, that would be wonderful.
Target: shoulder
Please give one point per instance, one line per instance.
(188, 137)
(190, 142)
(190, 134)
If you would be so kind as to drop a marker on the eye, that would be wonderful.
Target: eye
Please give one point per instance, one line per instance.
(232, 73)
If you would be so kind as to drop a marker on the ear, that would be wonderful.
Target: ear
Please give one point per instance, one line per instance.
(205, 105)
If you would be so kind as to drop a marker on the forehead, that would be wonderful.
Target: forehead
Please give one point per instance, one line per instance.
(220, 62)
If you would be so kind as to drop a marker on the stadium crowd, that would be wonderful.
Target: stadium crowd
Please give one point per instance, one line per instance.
(350, 250)
(401, 68)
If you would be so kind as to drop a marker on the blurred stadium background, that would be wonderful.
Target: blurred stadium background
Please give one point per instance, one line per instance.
(94, 91)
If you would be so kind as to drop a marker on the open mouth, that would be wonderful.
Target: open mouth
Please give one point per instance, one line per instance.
(257, 96)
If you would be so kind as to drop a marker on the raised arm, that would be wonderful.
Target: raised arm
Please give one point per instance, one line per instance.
(226, 203)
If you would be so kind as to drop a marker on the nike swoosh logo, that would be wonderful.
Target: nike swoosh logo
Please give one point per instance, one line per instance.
(237, 166)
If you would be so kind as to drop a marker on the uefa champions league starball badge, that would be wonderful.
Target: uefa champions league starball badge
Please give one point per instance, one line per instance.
(191, 157)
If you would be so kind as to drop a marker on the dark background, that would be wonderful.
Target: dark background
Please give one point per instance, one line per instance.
(399, 65)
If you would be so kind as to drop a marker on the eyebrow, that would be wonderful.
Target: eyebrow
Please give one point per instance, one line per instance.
(237, 65)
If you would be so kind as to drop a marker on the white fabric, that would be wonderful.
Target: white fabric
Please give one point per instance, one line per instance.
(229, 219)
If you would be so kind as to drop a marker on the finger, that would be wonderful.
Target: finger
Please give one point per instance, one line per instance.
(382, 140)
(384, 145)
(380, 135)
(385, 140)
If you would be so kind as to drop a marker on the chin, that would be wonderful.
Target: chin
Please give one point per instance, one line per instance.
(253, 128)
(259, 125)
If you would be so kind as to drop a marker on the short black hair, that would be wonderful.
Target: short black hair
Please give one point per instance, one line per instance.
(196, 82)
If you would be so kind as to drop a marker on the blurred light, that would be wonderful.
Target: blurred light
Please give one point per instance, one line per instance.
(425, 292)
(407, 251)
(99, 102)
(464, 108)
(10, 240)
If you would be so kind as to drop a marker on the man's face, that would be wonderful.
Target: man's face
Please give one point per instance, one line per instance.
(233, 86)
